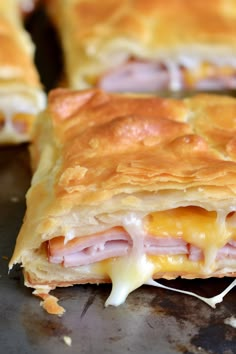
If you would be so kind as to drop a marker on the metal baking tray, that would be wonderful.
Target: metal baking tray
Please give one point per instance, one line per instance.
(151, 320)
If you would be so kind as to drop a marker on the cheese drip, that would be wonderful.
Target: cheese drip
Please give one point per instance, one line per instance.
(130, 272)
(211, 301)
(127, 274)
(194, 225)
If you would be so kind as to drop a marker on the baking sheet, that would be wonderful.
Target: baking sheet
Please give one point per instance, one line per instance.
(151, 321)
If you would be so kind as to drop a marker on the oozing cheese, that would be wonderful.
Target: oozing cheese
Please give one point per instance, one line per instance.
(211, 301)
(207, 70)
(127, 274)
(196, 226)
(186, 71)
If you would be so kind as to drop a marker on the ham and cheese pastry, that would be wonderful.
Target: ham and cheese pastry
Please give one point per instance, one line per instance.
(21, 95)
(128, 189)
(146, 46)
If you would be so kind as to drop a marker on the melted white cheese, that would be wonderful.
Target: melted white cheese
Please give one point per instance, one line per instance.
(175, 75)
(127, 274)
(212, 301)
(130, 272)
(134, 226)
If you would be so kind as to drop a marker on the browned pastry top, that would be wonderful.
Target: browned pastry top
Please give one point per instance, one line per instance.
(157, 22)
(113, 143)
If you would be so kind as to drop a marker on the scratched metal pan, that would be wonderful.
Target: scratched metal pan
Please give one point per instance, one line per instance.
(151, 321)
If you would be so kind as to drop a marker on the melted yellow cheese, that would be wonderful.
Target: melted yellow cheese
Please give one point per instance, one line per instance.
(207, 70)
(129, 266)
(194, 225)
(15, 127)
(129, 273)
(176, 264)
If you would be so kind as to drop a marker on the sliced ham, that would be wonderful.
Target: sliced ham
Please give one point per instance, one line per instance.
(151, 76)
(229, 250)
(20, 127)
(195, 253)
(164, 246)
(215, 83)
(94, 254)
(116, 242)
(136, 76)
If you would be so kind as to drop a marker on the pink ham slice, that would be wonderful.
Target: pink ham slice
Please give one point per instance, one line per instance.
(136, 76)
(216, 83)
(229, 251)
(165, 246)
(195, 253)
(115, 242)
(150, 76)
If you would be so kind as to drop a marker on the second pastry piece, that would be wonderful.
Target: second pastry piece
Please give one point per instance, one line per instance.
(136, 45)
(21, 95)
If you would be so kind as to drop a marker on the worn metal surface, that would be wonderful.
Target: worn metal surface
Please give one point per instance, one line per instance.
(151, 321)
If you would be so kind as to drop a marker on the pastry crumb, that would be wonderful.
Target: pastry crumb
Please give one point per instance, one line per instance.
(14, 199)
(67, 340)
(50, 304)
(231, 321)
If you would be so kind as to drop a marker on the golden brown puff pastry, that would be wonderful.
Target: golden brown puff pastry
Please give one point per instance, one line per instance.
(127, 189)
(21, 95)
(139, 45)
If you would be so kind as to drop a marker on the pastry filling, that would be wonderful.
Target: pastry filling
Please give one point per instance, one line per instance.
(144, 76)
(170, 240)
(18, 123)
